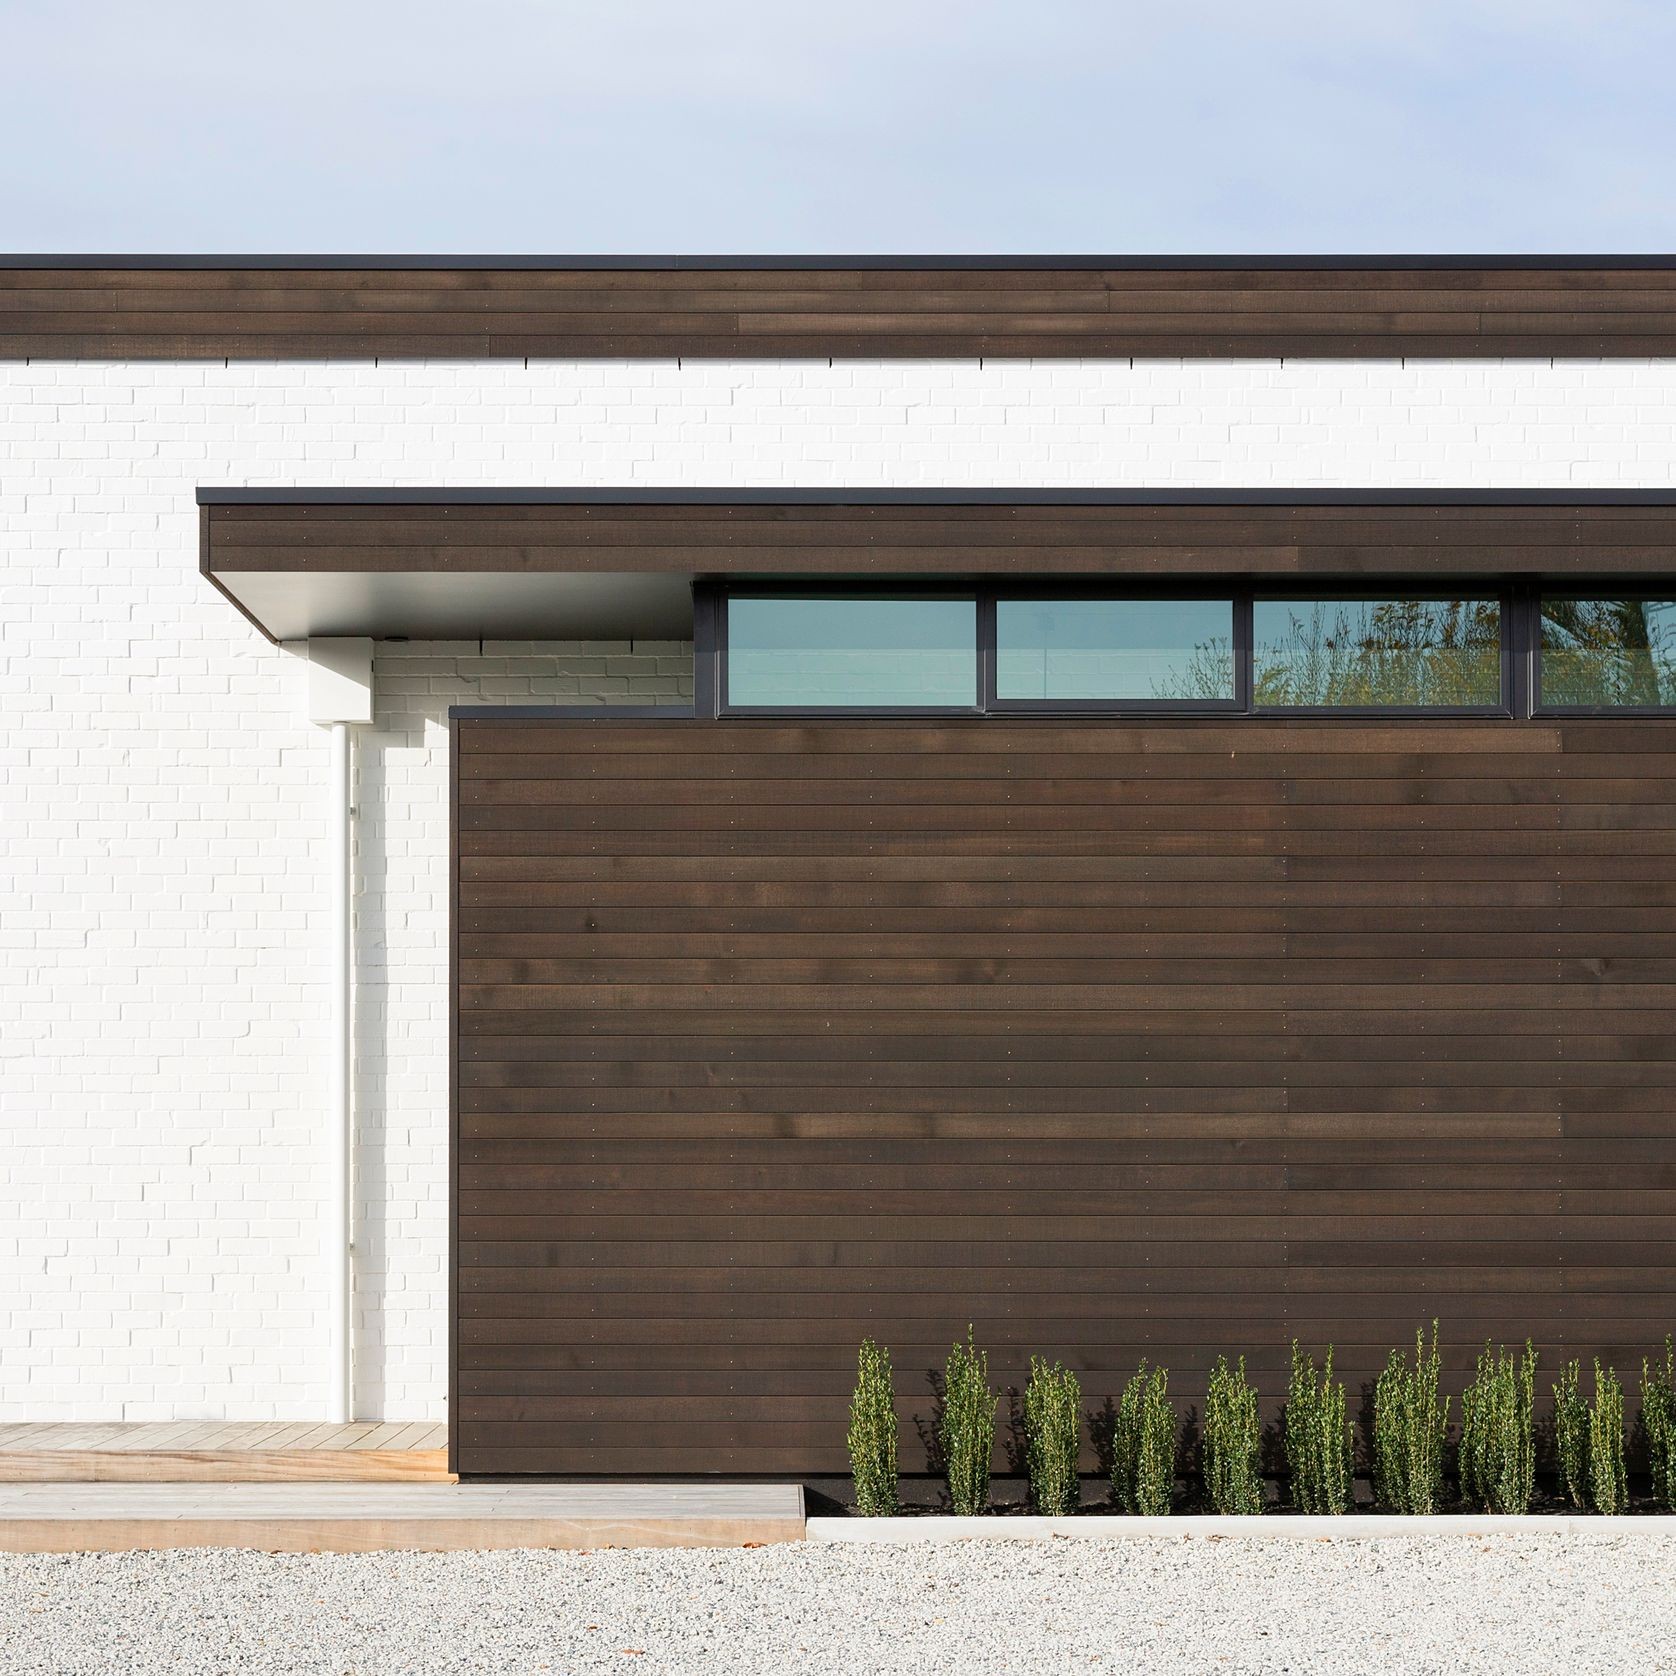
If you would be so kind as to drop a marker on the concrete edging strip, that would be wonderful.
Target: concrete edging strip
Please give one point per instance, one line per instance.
(305, 1518)
(943, 1527)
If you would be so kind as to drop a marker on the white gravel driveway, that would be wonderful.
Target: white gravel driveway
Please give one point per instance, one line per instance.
(1445, 1604)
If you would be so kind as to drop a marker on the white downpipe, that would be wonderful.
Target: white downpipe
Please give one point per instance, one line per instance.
(340, 698)
(339, 1207)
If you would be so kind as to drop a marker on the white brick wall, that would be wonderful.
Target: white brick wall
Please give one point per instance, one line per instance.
(161, 892)
(402, 971)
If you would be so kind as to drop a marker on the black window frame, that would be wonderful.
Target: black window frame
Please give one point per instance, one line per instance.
(1520, 599)
(1589, 589)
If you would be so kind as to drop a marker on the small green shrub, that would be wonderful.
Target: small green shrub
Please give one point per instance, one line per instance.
(1571, 1436)
(967, 1430)
(1144, 1445)
(1231, 1440)
(1053, 1437)
(1410, 1423)
(1589, 1440)
(1498, 1445)
(1658, 1418)
(1608, 1485)
(1317, 1436)
(873, 1433)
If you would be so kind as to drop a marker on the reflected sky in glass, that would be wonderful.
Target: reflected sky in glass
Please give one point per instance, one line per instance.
(1116, 649)
(862, 652)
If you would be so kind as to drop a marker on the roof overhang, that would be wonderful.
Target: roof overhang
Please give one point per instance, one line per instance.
(572, 564)
(435, 605)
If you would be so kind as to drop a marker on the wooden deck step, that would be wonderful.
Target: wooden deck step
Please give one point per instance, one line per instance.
(352, 1518)
(224, 1452)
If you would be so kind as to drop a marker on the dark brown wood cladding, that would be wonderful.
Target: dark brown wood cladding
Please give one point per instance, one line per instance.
(921, 308)
(753, 538)
(1115, 1040)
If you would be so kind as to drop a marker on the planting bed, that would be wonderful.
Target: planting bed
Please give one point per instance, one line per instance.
(1171, 1527)
(1502, 1438)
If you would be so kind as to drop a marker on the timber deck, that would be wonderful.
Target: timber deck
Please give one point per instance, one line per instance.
(227, 1452)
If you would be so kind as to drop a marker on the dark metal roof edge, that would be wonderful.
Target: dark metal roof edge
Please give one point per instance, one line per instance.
(934, 497)
(859, 264)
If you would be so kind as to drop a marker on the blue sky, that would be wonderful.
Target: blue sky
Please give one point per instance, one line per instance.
(867, 126)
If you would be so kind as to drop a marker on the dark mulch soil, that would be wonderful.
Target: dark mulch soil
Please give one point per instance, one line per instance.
(922, 1499)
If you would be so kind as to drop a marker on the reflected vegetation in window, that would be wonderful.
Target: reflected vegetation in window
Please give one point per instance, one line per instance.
(1607, 653)
(1407, 653)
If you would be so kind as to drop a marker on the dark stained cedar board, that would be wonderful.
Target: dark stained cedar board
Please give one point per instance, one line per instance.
(1117, 1040)
(116, 308)
(858, 539)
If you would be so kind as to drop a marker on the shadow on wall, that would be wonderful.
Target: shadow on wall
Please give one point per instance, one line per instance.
(401, 972)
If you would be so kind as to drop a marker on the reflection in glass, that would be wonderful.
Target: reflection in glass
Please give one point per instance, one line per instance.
(1139, 649)
(1608, 654)
(1377, 653)
(837, 651)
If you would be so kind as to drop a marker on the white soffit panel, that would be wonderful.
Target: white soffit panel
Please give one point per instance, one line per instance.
(496, 605)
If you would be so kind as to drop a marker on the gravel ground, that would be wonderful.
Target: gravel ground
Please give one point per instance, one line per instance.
(1445, 1604)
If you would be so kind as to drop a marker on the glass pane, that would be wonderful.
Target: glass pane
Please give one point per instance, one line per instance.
(1608, 653)
(883, 652)
(1372, 653)
(1114, 648)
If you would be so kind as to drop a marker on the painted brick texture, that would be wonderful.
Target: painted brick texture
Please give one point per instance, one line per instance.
(162, 890)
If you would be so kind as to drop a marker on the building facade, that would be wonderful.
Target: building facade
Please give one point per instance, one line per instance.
(687, 1049)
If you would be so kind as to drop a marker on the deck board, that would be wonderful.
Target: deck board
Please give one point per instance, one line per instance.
(140, 1435)
(291, 1436)
(380, 1437)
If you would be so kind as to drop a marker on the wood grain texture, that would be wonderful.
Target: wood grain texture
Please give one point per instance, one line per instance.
(745, 538)
(243, 1466)
(759, 310)
(1116, 1040)
(142, 1452)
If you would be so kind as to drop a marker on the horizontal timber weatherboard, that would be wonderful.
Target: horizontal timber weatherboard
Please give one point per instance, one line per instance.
(300, 307)
(732, 1092)
(1150, 537)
